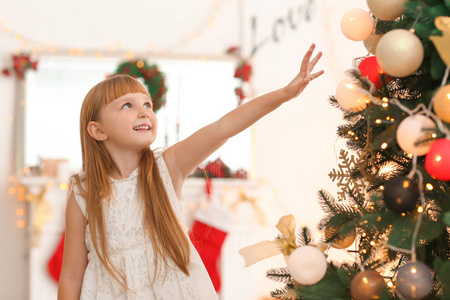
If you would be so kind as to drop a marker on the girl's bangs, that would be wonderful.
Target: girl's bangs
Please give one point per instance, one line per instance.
(118, 85)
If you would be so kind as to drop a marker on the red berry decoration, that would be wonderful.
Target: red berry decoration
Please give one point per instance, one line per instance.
(401, 194)
(437, 160)
(370, 68)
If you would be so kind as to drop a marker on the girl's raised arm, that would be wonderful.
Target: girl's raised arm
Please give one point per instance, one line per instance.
(75, 253)
(183, 157)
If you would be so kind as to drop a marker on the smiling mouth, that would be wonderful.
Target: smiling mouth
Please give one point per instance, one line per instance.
(142, 128)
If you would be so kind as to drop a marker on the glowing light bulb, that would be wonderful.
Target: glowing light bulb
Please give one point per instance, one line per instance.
(384, 146)
(420, 209)
(12, 190)
(140, 64)
(382, 187)
(21, 223)
(129, 55)
(429, 186)
(63, 186)
(372, 243)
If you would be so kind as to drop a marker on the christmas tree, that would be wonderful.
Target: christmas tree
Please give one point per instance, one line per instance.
(395, 191)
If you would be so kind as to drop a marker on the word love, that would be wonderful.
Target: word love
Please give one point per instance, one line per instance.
(290, 20)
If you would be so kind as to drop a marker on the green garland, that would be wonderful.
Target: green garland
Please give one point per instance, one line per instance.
(153, 79)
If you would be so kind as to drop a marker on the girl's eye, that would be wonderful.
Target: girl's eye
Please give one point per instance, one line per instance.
(126, 105)
(148, 105)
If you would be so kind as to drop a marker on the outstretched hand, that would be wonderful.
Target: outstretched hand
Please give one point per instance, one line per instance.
(303, 78)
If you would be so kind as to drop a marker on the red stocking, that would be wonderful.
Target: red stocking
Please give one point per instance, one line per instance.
(208, 235)
(55, 262)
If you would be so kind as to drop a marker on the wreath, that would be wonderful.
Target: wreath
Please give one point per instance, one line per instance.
(153, 79)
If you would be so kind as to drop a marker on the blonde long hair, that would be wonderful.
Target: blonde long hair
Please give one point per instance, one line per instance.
(160, 222)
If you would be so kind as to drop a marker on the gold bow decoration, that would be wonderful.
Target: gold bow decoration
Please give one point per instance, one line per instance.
(266, 249)
(244, 198)
(42, 213)
(442, 43)
(285, 245)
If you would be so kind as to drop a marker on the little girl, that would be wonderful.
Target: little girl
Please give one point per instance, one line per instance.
(123, 237)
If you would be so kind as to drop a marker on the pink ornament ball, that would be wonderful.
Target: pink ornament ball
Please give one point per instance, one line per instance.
(437, 160)
(370, 68)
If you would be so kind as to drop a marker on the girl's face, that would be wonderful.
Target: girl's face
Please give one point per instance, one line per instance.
(129, 122)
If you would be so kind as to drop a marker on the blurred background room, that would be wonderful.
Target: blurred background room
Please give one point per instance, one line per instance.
(209, 56)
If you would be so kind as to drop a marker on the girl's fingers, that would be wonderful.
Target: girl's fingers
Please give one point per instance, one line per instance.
(306, 58)
(315, 60)
(315, 75)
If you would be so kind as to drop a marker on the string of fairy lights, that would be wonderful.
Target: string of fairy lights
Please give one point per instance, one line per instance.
(360, 98)
(27, 44)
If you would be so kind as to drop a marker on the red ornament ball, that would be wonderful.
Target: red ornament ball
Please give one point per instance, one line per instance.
(437, 160)
(370, 68)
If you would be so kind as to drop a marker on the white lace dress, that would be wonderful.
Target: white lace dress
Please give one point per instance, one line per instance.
(132, 253)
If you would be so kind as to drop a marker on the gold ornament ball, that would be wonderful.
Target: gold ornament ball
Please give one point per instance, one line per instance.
(349, 97)
(343, 241)
(400, 53)
(386, 10)
(357, 24)
(367, 285)
(371, 43)
(441, 104)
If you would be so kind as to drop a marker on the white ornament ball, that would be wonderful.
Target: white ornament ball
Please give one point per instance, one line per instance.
(441, 104)
(349, 97)
(307, 265)
(357, 24)
(387, 10)
(399, 53)
(371, 42)
(410, 131)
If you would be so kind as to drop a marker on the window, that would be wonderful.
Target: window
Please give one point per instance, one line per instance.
(199, 92)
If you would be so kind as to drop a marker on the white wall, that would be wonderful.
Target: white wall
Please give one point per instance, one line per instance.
(293, 147)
